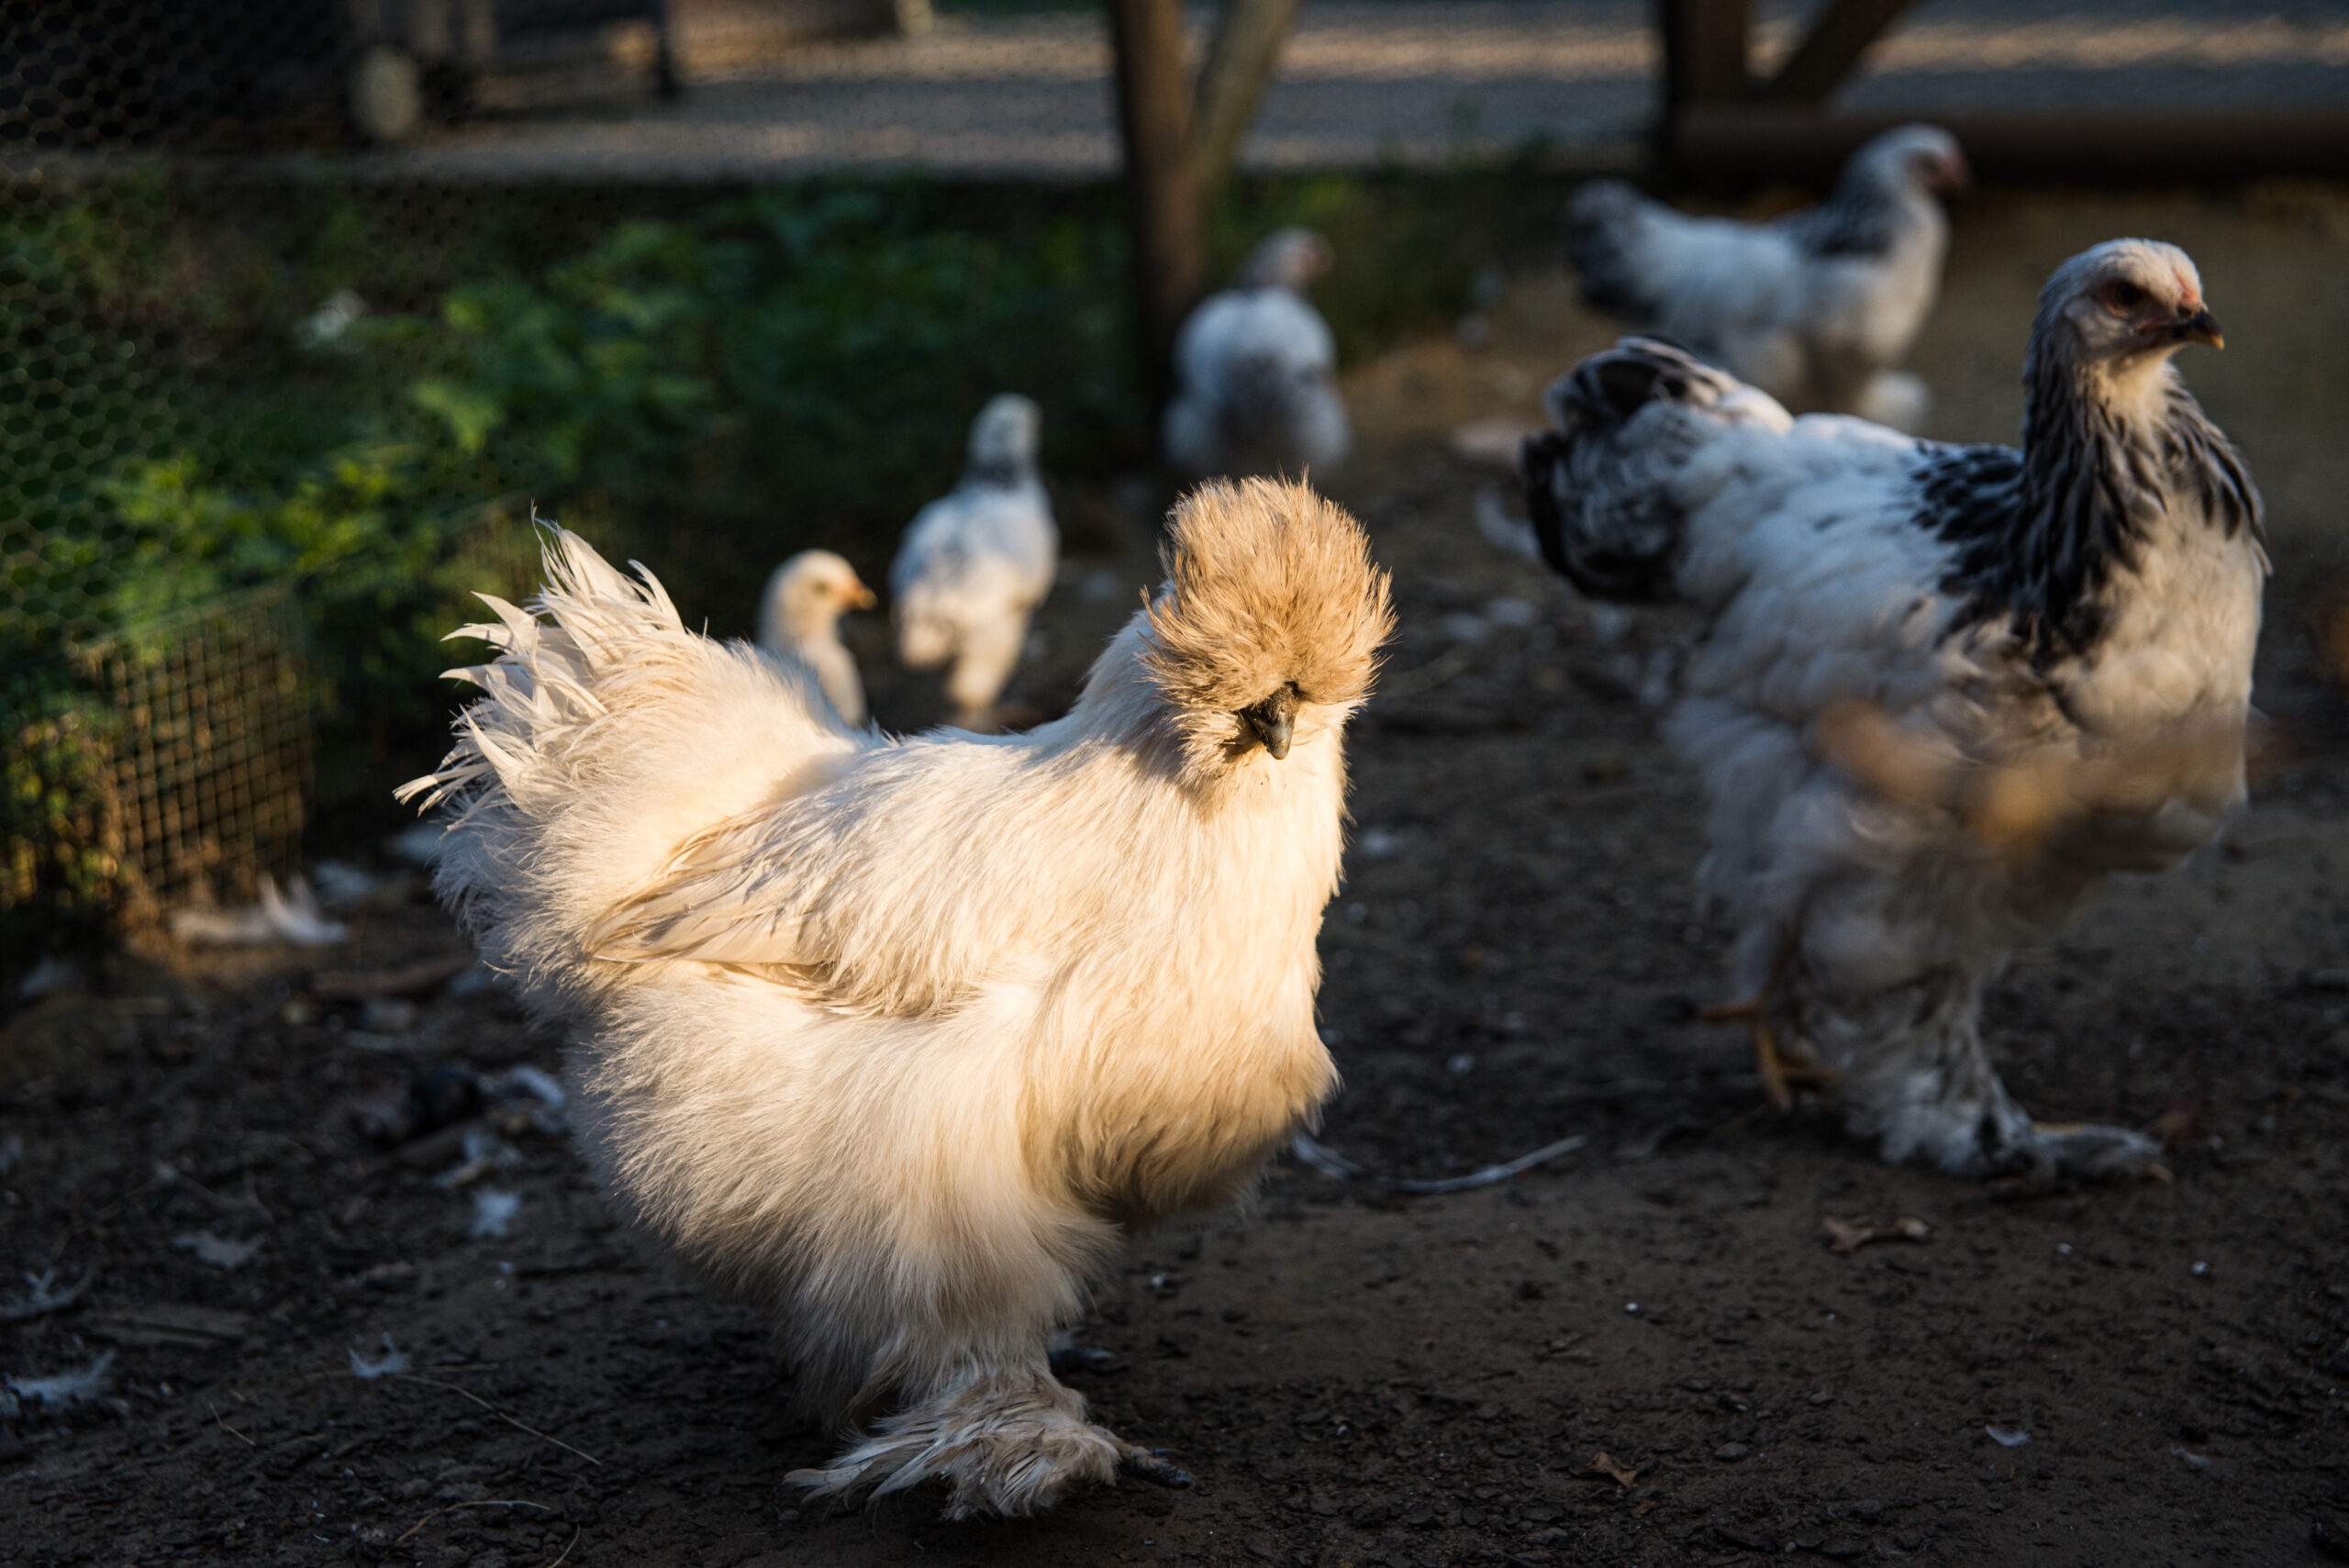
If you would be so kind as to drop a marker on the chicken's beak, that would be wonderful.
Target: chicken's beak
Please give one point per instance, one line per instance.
(1274, 720)
(862, 598)
(2200, 329)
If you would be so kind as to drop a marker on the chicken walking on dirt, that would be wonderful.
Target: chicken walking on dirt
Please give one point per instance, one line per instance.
(901, 1039)
(1816, 307)
(1942, 691)
(975, 564)
(1257, 368)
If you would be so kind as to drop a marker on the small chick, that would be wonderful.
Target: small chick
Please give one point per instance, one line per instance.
(800, 617)
(975, 564)
(1257, 366)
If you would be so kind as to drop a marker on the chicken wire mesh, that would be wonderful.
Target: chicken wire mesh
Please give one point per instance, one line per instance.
(157, 766)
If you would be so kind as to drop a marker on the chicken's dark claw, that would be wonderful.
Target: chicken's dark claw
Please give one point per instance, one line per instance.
(1150, 1464)
(1078, 1357)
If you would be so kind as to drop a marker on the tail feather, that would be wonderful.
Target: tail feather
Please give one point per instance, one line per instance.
(605, 735)
(1600, 486)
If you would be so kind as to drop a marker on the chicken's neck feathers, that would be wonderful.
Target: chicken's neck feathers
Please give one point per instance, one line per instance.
(1866, 216)
(2038, 534)
(999, 473)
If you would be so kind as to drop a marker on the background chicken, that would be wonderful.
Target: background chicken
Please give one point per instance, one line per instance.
(2089, 597)
(1813, 308)
(800, 616)
(903, 1039)
(975, 564)
(1255, 368)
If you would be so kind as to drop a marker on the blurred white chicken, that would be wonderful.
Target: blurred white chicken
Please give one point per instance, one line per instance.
(1815, 308)
(2070, 624)
(903, 1039)
(975, 564)
(1255, 368)
(800, 616)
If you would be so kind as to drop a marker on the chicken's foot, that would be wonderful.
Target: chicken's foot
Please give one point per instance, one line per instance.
(1008, 1441)
(1778, 1069)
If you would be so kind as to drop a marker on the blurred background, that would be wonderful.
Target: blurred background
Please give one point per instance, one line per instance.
(308, 303)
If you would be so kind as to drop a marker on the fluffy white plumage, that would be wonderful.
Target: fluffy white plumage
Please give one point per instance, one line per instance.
(1815, 308)
(902, 1038)
(2083, 609)
(975, 564)
(1256, 367)
(799, 617)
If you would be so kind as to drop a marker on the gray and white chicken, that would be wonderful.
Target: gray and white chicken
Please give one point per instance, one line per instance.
(1815, 308)
(2083, 610)
(1256, 367)
(975, 564)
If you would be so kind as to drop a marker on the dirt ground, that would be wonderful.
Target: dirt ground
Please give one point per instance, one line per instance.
(1642, 1353)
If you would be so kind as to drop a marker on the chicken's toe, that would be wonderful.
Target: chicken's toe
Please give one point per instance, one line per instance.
(1067, 1359)
(2057, 1149)
(1006, 1443)
(1152, 1464)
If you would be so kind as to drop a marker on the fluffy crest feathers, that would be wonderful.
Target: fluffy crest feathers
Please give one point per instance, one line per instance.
(1267, 584)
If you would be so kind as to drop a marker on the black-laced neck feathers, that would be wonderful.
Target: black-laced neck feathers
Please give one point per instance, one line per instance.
(2040, 531)
(1879, 196)
(1863, 216)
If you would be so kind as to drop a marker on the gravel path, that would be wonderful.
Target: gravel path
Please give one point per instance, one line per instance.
(1027, 95)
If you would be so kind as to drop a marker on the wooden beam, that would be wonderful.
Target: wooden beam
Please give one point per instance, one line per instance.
(1245, 52)
(1168, 211)
(1763, 143)
(1821, 60)
(1704, 52)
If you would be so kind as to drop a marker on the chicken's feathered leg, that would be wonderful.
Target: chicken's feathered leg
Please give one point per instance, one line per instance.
(1778, 1068)
(1005, 1441)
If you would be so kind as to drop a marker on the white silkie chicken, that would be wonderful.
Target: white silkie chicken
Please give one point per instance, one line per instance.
(800, 618)
(976, 563)
(1255, 368)
(2081, 611)
(1815, 308)
(902, 1040)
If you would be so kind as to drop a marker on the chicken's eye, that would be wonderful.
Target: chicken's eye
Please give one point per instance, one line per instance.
(2124, 297)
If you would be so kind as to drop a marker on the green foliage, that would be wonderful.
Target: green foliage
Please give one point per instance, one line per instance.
(383, 568)
(56, 794)
(815, 351)
(710, 385)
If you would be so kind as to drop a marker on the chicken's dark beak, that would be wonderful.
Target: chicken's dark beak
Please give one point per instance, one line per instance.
(1274, 720)
(2200, 329)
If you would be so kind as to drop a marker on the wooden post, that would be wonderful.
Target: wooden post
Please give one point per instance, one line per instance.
(1704, 52)
(1240, 60)
(1168, 211)
(1837, 41)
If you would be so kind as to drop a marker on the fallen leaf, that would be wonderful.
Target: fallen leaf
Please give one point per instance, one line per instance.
(1851, 1235)
(2178, 1124)
(1607, 1464)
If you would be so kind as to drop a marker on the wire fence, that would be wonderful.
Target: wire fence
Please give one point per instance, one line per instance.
(163, 765)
